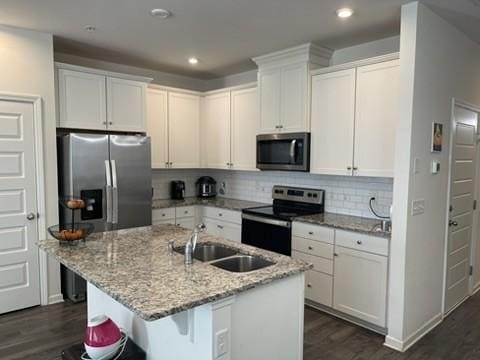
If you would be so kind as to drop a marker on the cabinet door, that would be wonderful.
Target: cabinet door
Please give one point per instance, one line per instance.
(126, 105)
(376, 118)
(184, 130)
(332, 123)
(230, 231)
(360, 285)
(245, 117)
(215, 125)
(293, 103)
(211, 227)
(269, 86)
(187, 223)
(81, 100)
(157, 127)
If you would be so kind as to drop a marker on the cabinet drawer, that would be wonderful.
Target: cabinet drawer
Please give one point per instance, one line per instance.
(313, 232)
(163, 214)
(318, 287)
(222, 214)
(185, 211)
(362, 242)
(319, 263)
(187, 223)
(312, 247)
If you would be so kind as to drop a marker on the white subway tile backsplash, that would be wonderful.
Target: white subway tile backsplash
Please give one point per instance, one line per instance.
(345, 195)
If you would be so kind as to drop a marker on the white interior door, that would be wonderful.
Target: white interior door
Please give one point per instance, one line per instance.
(19, 273)
(462, 196)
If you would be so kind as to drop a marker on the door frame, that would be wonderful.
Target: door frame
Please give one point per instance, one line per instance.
(466, 105)
(36, 102)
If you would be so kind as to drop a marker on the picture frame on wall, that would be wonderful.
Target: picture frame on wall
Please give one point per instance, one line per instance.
(437, 137)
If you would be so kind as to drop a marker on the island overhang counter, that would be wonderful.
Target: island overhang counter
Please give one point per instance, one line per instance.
(174, 311)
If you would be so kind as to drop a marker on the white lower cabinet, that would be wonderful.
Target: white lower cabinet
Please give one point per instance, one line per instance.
(223, 223)
(360, 285)
(349, 270)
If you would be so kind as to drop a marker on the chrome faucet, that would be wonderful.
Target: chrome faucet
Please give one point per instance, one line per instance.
(192, 243)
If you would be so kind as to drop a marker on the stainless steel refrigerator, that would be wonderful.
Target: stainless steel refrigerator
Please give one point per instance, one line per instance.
(112, 174)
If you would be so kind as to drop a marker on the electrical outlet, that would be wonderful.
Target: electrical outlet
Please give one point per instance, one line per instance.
(418, 207)
(221, 343)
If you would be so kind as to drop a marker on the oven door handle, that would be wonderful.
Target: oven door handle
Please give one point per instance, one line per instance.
(282, 223)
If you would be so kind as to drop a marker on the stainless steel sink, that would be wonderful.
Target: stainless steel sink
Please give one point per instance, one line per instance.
(242, 263)
(209, 252)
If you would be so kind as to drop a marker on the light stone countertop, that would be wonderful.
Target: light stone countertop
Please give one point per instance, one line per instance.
(220, 202)
(135, 268)
(346, 222)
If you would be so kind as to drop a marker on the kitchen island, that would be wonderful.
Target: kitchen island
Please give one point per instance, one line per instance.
(174, 311)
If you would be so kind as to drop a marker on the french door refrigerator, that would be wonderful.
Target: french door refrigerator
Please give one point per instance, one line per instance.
(112, 174)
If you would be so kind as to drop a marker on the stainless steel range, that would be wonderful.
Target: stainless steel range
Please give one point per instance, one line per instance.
(270, 227)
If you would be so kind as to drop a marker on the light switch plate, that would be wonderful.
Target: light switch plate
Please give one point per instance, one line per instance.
(418, 206)
(221, 343)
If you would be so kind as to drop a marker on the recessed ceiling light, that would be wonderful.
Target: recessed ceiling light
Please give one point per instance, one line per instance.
(193, 60)
(90, 28)
(344, 13)
(160, 13)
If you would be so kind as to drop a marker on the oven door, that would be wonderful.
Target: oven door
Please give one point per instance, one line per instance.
(268, 234)
(284, 152)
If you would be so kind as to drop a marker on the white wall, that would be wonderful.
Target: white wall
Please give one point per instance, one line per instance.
(366, 50)
(437, 63)
(26, 63)
(159, 77)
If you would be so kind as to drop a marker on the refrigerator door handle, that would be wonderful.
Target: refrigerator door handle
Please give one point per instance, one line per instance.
(108, 194)
(114, 193)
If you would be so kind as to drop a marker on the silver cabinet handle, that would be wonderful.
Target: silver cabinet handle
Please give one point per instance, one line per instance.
(220, 226)
(163, 215)
(104, 123)
(110, 123)
(31, 216)
(309, 285)
(355, 168)
(335, 254)
(220, 214)
(310, 233)
(310, 248)
(452, 223)
(359, 242)
(349, 168)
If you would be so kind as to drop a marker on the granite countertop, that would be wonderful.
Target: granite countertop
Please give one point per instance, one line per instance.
(135, 268)
(346, 222)
(220, 202)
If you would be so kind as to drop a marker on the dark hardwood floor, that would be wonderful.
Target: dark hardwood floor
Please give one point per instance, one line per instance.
(41, 333)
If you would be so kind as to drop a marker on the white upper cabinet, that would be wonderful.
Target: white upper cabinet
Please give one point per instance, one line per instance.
(376, 118)
(215, 134)
(96, 100)
(126, 105)
(157, 127)
(81, 100)
(269, 82)
(332, 123)
(245, 116)
(354, 116)
(184, 130)
(283, 81)
(294, 100)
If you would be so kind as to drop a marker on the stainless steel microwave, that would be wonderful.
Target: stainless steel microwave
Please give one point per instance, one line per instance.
(289, 152)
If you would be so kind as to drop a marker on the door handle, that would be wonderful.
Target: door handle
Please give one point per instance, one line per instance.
(114, 193)
(108, 192)
(31, 216)
(452, 223)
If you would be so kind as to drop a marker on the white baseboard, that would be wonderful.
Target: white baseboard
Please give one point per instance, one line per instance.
(55, 299)
(404, 345)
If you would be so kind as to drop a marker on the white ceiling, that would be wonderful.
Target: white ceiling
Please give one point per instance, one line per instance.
(223, 34)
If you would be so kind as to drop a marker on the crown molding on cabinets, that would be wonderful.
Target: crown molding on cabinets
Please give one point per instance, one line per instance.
(353, 64)
(231, 88)
(64, 66)
(307, 53)
(176, 90)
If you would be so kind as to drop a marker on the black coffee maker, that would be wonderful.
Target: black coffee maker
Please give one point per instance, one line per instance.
(177, 190)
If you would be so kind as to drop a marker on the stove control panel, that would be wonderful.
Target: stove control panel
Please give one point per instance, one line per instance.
(313, 196)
